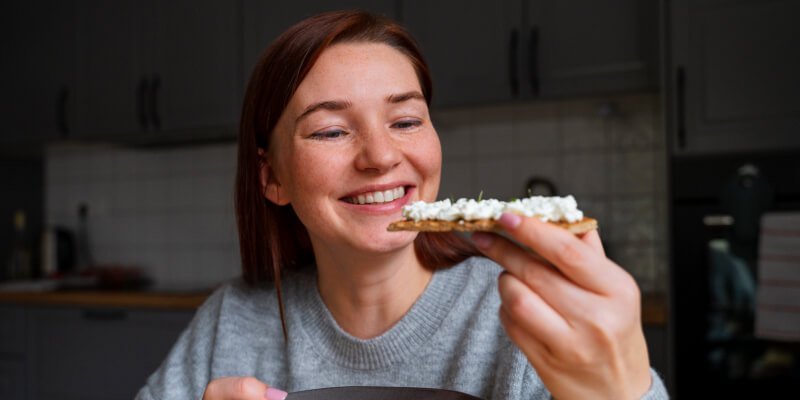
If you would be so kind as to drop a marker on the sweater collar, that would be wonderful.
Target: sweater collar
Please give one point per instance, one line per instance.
(411, 333)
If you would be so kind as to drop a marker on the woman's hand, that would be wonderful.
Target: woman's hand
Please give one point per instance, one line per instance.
(241, 388)
(572, 311)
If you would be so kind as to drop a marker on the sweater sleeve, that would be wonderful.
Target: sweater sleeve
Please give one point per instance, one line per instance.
(185, 372)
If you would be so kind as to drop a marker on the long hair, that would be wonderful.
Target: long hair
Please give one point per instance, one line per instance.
(271, 237)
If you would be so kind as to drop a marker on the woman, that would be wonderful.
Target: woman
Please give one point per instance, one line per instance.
(335, 139)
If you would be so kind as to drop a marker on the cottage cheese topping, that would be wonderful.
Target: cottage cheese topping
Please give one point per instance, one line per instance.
(545, 208)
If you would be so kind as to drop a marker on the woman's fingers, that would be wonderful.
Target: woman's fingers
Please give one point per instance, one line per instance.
(577, 259)
(538, 353)
(531, 311)
(241, 388)
(592, 238)
(533, 274)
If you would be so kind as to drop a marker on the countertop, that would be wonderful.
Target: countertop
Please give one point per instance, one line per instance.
(654, 306)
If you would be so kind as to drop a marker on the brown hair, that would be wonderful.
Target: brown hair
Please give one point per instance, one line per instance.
(271, 237)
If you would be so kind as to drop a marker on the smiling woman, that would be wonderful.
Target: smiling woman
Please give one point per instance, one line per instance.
(335, 139)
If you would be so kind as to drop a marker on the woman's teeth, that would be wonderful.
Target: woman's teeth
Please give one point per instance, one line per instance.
(384, 196)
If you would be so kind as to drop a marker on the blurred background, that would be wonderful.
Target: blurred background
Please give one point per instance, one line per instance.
(675, 123)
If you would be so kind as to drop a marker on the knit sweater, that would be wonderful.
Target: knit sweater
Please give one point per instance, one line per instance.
(451, 338)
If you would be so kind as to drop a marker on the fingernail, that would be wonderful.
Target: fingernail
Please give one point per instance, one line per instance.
(275, 394)
(482, 240)
(510, 220)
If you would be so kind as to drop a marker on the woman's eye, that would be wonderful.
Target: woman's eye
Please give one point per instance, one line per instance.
(328, 134)
(407, 124)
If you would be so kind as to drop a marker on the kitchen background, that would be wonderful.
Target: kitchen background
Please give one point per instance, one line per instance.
(120, 122)
(170, 211)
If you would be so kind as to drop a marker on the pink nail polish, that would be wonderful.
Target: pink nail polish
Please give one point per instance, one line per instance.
(275, 394)
(510, 220)
(482, 240)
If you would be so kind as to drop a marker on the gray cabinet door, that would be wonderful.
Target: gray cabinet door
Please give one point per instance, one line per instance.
(592, 47)
(97, 353)
(734, 75)
(109, 95)
(192, 60)
(38, 93)
(264, 20)
(12, 377)
(472, 48)
(13, 343)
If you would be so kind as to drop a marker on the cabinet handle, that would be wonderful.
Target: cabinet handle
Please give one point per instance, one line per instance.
(61, 111)
(140, 103)
(680, 95)
(105, 315)
(533, 59)
(513, 74)
(154, 89)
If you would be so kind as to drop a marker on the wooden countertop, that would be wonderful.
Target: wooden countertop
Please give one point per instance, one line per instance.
(654, 306)
(654, 309)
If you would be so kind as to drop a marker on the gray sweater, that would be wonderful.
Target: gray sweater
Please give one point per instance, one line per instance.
(451, 338)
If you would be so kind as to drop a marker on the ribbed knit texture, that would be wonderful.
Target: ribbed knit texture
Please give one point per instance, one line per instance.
(451, 338)
(409, 335)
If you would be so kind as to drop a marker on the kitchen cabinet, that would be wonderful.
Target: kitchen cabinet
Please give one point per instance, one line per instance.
(264, 20)
(12, 353)
(472, 48)
(97, 353)
(528, 49)
(38, 75)
(593, 47)
(82, 352)
(110, 91)
(733, 81)
(157, 70)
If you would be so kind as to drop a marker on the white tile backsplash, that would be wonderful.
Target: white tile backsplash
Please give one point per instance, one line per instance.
(151, 208)
(608, 152)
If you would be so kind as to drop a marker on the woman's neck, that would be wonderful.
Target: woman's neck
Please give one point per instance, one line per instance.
(368, 294)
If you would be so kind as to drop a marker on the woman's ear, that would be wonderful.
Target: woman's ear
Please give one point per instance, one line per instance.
(270, 186)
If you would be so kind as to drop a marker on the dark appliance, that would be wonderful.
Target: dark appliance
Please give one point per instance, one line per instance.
(716, 206)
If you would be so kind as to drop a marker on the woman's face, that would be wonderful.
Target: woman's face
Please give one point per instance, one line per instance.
(353, 146)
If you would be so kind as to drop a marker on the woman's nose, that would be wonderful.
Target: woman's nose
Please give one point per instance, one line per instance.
(379, 152)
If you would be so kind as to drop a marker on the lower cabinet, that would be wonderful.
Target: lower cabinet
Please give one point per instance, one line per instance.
(85, 353)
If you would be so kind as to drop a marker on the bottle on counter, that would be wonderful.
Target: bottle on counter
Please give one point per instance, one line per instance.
(20, 263)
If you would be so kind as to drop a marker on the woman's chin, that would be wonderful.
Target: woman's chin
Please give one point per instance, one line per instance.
(386, 242)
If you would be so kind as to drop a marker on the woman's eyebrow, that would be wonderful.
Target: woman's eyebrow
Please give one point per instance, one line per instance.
(399, 98)
(330, 105)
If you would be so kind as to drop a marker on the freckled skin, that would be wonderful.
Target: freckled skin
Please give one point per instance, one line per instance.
(376, 147)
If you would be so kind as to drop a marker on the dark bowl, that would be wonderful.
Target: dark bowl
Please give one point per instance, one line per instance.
(379, 393)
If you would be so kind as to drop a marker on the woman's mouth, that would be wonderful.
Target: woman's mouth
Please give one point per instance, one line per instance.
(377, 197)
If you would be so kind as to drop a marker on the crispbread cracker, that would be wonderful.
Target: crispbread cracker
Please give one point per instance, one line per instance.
(580, 227)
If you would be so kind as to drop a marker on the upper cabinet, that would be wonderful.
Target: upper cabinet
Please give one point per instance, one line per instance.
(589, 46)
(528, 49)
(264, 20)
(472, 48)
(733, 76)
(153, 68)
(38, 94)
(148, 71)
(110, 68)
(193, 49)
